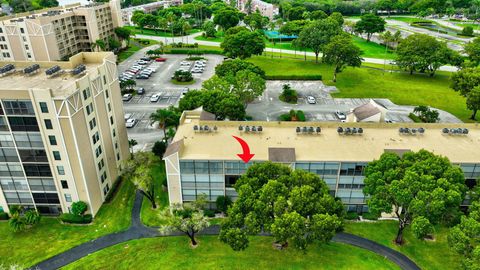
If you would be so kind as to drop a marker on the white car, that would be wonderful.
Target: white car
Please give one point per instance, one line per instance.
(311, 100)
(341, 116)
(127, 97)
(197, 70)
(155, 98)
(185, 63)
(127, 116)
(130, 122)
(152, 69)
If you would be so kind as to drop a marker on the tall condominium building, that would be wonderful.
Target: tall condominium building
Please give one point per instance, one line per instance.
(203, 156)
(57, 33)
(62, 132)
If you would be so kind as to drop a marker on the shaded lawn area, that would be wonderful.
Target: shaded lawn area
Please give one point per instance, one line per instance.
(134, 47)
(159, 33)
(475, 26)
(50, 237)
(427, 254)
(407, 19)
(148, 215)
(175, 253)
(401, 88)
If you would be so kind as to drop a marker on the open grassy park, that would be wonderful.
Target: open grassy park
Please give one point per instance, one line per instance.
(372, 82)
(50, 237)
(175, 253)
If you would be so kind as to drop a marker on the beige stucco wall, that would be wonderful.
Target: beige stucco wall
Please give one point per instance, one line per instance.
(172, 166)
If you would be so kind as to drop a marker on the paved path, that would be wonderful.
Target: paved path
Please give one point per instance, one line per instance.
(137, 231)
(191, 39)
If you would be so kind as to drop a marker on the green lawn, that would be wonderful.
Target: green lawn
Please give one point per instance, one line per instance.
(150, 32)
(427, 254)
(148, 215)
(134, 47)
(175, 253)
(475, 26)
(401, 88)
(50, 237)
(408, 19)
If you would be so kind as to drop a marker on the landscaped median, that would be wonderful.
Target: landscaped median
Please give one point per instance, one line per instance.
(50, 237)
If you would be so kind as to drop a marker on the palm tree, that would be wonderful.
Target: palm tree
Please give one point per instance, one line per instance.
(185, 28)
(171, 20)
(163, 24)
(166, 117)
(99, 45)
(131, 144)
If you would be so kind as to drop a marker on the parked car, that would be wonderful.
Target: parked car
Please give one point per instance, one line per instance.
(160, 59)
(141, 91)
(197, 70)
(185, 63)
(127, 97)
(127, 116)
(130, 122)
(341, 115)
(141, 62)
(142, 77)
(152, 69)
(311, 100)
(155, 98)
(145, 59)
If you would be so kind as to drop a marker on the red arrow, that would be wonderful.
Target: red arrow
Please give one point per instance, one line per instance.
(245, 156)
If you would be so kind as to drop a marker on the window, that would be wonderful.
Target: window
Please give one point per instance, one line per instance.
(46, 198)
(52, 139)
(68, 197)
(89, 108)
(118, 156)
(48, 124)
(13, 184)
(18, 197)
(116, 145)
(6, 141)
(98, 151)
(103, 177)
(26, 47)
(61, 170)
(28, 140)
(64, 184)
(11, 170)
(111, 120)
(8, 155)
(22, 30)
(109, 107)
(19, 107)
(56, 155)
(86, 93)
(113, 131)
(18, 123)
(32, 155)
(93, 123)
(105, 190)
(106, 93)
(43, 107)
(37, 169)
(95, 137)
(6, 55)
(42, 184)
(104, 79)
(101, 164)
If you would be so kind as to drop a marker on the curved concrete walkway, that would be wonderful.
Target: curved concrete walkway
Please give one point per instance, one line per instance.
(137, 231)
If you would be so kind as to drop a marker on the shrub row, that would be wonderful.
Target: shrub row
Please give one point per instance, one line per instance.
(415, 118)
(351, 216)
(193, 52)
(370, 216)
(113, 190)
(71, 218)
(295, 77)
(4, 216)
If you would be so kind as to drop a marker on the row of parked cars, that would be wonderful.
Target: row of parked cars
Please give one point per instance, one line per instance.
(194, 67)
(141, 70)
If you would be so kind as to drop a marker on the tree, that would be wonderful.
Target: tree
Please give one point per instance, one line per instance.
(222, 203)
(113, 44)
(464, 238)
(222, 104)
(137, 17)
(231, 67)
(123, 33)
(426, 114)
(166, 118)
(255, 21)
(288, 94)
(318, 15)
(464, 81)
(341, 52)
(423, 53)
(187, 218)
(418, 184)
(209, 28)
(78, 208)
(159, 148)
(473, 101)
(294, 206)
(128, 84)
(293, 27)
(370, 23)
(467, 31)
(138, 169)
(243, 44)
(226, 18)
(317, 35)
(183, 76)
(472, 49)
(99, 45)
(337, 16)
(422, 227)
(131, 144)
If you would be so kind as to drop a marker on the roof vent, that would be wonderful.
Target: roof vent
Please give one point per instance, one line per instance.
(411, 131)
(455, 131)
(53, 70)
(79, 69)
(349, 130)
(7, 69)
(31, 69)
(240, 128)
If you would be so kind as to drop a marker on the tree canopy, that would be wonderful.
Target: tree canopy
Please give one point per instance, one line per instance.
(139, 170)
(317, 35)
(465, 81)
(418, 184)
(226, 18)
(243, 44)
(293, 205)
(341, 52)
(231, 67)
(472, 49)
(222, 104)
(370, 23)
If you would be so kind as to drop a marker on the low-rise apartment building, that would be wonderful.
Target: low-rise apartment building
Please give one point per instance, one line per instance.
(57, 33)
(62, 132)
(202, 159)
(266, 9)
(147, 8)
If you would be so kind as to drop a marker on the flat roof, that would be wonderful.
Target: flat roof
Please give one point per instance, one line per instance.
(325, 146)
(62, 84)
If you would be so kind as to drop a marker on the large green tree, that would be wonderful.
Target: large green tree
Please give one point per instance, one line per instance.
(418, 184)
(231, 67)
(317, 35)
(169, 117)
(222, 104)
(472, 49)
(123, 33)
(423, 53)
(294, 206)
(226, 18)
(370, 23)
(139, 170)
(243, 44)
(464, 81)
(465, 237)
(341, 52)
(256, 21)
(473, 101)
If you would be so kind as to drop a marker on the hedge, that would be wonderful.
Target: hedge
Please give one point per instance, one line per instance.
(74, 219)
(113, 190)
(370, 216)
(4, 216)
(193, 52)
(351, 216)
(415, 118)
(301, 116)
(294, 77)
(209, 213)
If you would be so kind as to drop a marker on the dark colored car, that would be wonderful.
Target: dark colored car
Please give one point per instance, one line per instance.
(142, 77)
(141, 91)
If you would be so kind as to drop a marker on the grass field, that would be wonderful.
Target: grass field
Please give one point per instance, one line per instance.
(133, 48)
(427, 254)
(148, 215)
(175, 253)
(50, 237)
(408, 19)
(475, 26)
(137, 30)
(401, 88)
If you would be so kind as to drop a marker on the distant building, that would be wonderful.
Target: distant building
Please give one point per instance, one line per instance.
(57, 33)
(202, 158)
(369, 112)
(266, 9)
(147, 8)
(62, 133)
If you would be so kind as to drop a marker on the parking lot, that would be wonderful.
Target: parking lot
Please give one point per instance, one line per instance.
(140, 107)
